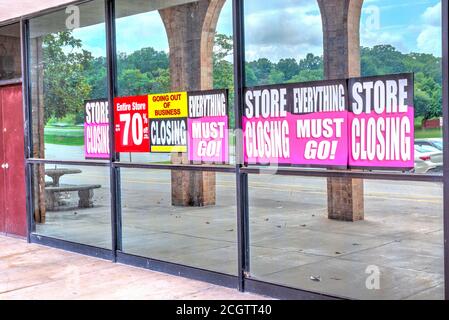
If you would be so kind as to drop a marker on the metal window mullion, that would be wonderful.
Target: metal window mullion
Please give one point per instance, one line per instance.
(445, 66)
(111, 55)
(27, 113)
(241, 177)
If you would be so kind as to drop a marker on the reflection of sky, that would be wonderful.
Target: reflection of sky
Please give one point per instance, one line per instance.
(409, 25)
(290, 28)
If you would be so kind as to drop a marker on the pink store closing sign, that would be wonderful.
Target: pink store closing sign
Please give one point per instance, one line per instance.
(364, 122)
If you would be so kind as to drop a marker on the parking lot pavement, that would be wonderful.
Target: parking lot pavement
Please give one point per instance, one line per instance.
(29, 271)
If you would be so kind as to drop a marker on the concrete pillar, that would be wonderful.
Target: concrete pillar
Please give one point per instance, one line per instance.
(341, 35)
(191, 31)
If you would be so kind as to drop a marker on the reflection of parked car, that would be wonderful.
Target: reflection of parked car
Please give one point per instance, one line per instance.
(437, 143)
(428, 159)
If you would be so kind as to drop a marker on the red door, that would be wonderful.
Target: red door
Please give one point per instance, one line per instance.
(2, 172)
(14, 202)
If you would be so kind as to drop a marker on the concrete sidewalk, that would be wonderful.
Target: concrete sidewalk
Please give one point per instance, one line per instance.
(29, 271)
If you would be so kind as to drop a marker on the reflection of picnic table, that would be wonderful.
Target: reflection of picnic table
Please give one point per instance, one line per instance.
(54, 189)
(85, 195)
(56, 174)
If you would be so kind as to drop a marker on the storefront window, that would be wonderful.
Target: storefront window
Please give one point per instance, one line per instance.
(157, 225)
(349, 92)
(352, 238)
(389, 47)
(181, 46)
(396, 252)
(181, 59)
(68, 68)
(10, 52)
(75, 206)
(284, 42)
(69, 107)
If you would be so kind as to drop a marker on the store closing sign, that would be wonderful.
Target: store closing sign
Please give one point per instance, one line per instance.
(308, 124)
(382, 122)
(168, 122)
(297, 124)
(208, 126)
(131, 124)
(96, 129)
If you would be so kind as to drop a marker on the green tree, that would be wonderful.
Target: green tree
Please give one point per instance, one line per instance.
(161, 82)
(386, 59)
(311, 62)
(289, 67)
(262, 69)
(223, 74)
(146, 60)
(65, 83)
(276, 76)
(96, 74)
(307, 75)
(223, 69)
(381, 59)
(134, 82)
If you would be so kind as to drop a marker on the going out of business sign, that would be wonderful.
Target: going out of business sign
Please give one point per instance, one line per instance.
(352, 123)
(168, 122)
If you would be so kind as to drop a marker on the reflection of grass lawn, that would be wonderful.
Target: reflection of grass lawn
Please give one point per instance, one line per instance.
(67, 136)
(420, 133)
(429, 133)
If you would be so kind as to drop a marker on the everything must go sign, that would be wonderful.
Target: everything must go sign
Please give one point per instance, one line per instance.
(353, 123)
(208, 126)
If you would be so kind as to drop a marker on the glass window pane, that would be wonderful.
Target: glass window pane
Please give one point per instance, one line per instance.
(284, 42)
(406, 37)
(396, 252)
(10, 52)
(160, 223)
(174, 46)
(72, 203)
(68, 67)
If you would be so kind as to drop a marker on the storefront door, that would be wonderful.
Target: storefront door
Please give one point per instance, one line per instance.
(12, 170)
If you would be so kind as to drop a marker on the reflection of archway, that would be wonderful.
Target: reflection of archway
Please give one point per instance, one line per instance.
(191, 32)
(341, 37)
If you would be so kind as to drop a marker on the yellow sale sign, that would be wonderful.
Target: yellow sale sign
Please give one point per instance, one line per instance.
(168, 105)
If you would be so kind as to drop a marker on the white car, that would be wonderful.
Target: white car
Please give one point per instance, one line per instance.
(428, 159)
(437, 143)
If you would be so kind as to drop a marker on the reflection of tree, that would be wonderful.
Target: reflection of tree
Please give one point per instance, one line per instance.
(385, 59)
(143, 71)
(72, 74)
(65, 84)
(264, 71)
(223, 68)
